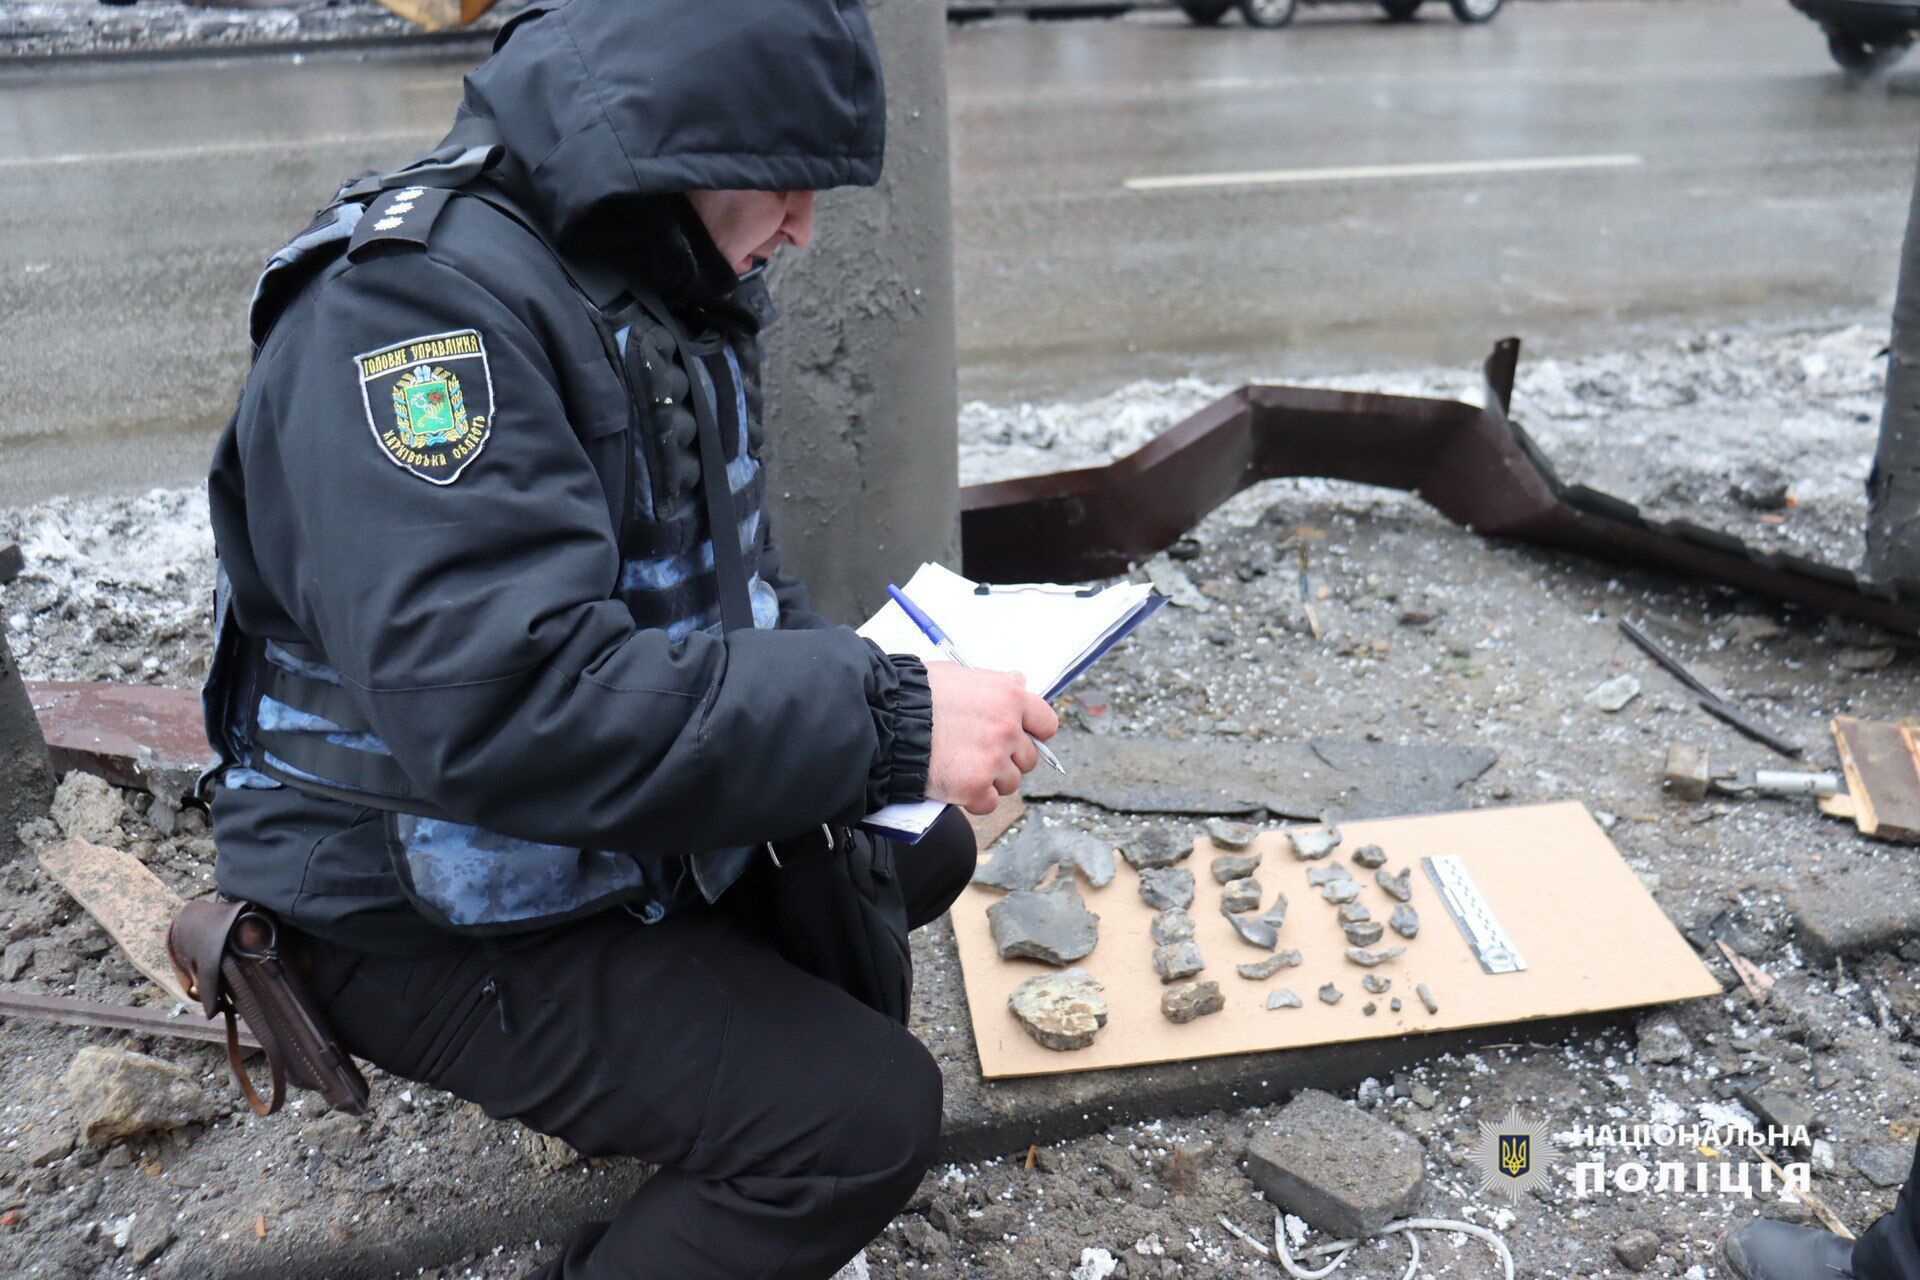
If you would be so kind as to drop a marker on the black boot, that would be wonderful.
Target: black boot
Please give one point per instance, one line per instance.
(1768, 1250)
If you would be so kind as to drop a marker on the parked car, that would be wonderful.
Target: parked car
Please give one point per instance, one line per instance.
(1278, 13)
(1865, 35)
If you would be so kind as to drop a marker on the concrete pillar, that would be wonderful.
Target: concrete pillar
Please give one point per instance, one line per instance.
(861, 397)
(26, 776)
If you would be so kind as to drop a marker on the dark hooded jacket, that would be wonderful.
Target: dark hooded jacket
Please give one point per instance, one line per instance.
(456, 507)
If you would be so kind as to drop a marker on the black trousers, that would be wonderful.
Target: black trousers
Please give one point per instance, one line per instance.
(1890, 1248)
(790, 1121)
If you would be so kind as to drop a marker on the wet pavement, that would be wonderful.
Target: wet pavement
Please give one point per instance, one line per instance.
(1587, 174)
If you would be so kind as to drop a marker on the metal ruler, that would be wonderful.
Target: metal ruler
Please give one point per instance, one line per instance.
(1468, 906)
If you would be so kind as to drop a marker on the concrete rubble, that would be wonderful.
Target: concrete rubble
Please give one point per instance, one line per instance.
(1309, 1162)
(1190, 1000)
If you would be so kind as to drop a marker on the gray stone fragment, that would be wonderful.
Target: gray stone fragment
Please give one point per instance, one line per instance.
(1425, 1098)
(1062, 1010)
(1230, 835)
(1155, 847)
(1261, 970)
(1253, 929)
(1857, 911)
(152, 1235)
(1315, 842)
(1167, 888)
(1375, 983)
(1283, 999)
(1613, 695)
(1336, 1167)
(1368, 959)
(1637, 1248)
(1354, 913)
(117, 1095)
(1190, 1000)
(17, 959)
(1319, 877)
(1240, 895)
(1364, 933)
(1050, 924)
(1235, 866)
(1776, 1108)
(1027, 857)
(1370, 856)
(1340, 890)
(1399, 887)
(1330, 994)
(1177, 960)
(1426, 998)
(1171, 926)
(1661, 1040)
(1405, 921)
(1884, 1164)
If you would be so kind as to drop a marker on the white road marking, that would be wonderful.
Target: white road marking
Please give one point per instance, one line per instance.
(1368, 172)
(324, 141)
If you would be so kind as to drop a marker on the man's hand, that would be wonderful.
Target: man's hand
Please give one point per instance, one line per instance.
(981, 723)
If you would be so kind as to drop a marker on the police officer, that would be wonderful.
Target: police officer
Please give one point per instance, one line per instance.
(521, 726)
(1889, 1249)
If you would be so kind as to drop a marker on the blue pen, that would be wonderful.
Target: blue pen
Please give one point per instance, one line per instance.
(931, 629)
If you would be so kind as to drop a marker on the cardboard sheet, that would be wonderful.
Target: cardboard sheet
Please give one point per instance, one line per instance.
(1591, 935)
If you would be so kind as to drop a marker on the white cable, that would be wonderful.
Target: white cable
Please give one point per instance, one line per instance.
(1339, 1249)
(1286, 1258)
(1245, 1237)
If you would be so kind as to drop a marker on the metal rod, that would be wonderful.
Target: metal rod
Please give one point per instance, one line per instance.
(70, 1012)
(1711, 702)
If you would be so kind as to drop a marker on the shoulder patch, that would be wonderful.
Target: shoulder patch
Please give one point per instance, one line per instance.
(402, 216)
(429, 402)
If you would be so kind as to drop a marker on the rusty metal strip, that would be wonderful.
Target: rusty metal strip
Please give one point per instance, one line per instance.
(70, 1012)
(1474, 465)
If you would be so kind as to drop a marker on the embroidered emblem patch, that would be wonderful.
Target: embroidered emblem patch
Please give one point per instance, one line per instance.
(429, 401)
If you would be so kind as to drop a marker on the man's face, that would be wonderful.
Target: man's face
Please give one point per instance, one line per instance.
(747, 226)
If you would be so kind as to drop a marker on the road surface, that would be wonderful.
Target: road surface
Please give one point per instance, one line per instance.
(1134, 199)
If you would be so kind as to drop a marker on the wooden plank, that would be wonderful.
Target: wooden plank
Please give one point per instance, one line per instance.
(69, 1012)
(428, 15)
(1882, 776)
(470, 10)
(996, 824)
(128, 900)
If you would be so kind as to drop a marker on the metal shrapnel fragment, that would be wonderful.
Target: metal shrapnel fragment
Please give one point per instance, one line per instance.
(1261, 970)
(1177, 960)
(1405, 921)
(1330, 994)
(1369, 1008)
(1370, 856)
(1050, 924)
(1062, 1010)
(1283, 999)
(1338, 891)
(1314, 843)
(1167, 888)
(1426, 998)
(1229, 835)
(1319, 877)
(1235, 866)
(1364, 933)
(1170, 926)
(1368, 959)
(1253, 929)
(1399, 886)
(1375, 983)
(1190, 1000)
(1155, 847)
(1354, 913)
(1394, 1004)
(1240, 895)
(1276, 915)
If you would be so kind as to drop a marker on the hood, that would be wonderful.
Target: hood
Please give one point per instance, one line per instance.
(604, 103)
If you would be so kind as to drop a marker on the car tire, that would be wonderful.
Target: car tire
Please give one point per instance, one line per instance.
(1269, 15)
(1860, 56)
(1475, 11)
(1205, 13)
(1400, 10)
